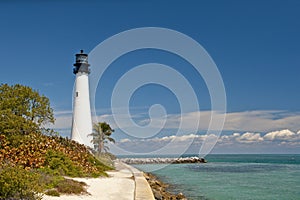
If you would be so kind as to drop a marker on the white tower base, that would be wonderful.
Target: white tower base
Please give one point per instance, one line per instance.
(82, 120)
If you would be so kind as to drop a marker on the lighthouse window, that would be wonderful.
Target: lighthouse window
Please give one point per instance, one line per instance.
(76, 94)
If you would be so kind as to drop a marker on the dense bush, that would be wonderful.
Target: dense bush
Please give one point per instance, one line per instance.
(59, 163)
(18, 183)
(30, 161)
(38, 151)
(36, 159)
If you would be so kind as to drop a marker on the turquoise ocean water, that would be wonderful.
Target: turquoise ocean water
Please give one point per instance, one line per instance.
(255, 177)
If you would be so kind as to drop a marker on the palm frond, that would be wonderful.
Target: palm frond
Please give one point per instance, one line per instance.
(101, 135)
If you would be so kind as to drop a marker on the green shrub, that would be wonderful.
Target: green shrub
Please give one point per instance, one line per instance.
(69, 186)
(18, 183)
(52, 192)
(54, 155)
(59, 163)
(39, 162)
(50, 181)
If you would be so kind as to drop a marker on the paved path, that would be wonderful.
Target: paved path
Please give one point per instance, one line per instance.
(124, 183)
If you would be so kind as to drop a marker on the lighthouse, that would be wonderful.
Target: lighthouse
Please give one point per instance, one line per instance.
(82, 119)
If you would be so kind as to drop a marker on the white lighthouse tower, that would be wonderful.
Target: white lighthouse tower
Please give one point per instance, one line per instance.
(82, 120)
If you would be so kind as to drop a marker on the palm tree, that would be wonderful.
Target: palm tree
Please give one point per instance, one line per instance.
(101, 136)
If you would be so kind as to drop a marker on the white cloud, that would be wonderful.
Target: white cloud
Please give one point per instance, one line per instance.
(174, 138)
(249, 121)
(283, 135)
(264, 129)
(261, 121)
(275, 141)
(63, 120)
(249, 138)
(125, 140)
(254, 121)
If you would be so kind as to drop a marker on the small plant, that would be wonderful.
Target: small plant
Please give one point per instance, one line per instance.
(49, 181)
(52, 192)
(69, 186)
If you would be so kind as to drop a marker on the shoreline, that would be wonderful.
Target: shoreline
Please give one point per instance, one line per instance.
(158, 160)
(160, 189)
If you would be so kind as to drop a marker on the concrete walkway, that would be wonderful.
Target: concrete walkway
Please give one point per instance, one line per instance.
(142, 188)
(124, 183)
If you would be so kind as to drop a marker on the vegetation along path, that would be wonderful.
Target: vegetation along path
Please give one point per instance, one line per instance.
(124, 183)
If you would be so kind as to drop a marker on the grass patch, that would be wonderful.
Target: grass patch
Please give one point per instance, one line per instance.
(52, 192)
(69, 186)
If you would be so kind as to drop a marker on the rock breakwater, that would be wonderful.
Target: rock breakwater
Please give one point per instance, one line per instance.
(163, 160)
(159, 189)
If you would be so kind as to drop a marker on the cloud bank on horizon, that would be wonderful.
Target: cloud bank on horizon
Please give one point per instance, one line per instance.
(258, 120)
(262, 131)
(280, 139)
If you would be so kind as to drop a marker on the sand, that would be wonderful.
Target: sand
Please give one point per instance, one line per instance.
(124, 183)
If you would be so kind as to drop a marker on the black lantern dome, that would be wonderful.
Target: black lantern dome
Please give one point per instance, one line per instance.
(81, 64)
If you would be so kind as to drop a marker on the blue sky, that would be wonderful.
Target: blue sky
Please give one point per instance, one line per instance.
(255, 45)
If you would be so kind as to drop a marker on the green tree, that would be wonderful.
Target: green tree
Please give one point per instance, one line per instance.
(101, 136)
(23, 110)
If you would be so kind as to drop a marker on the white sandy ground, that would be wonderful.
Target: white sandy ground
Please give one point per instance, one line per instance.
(120, 185)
